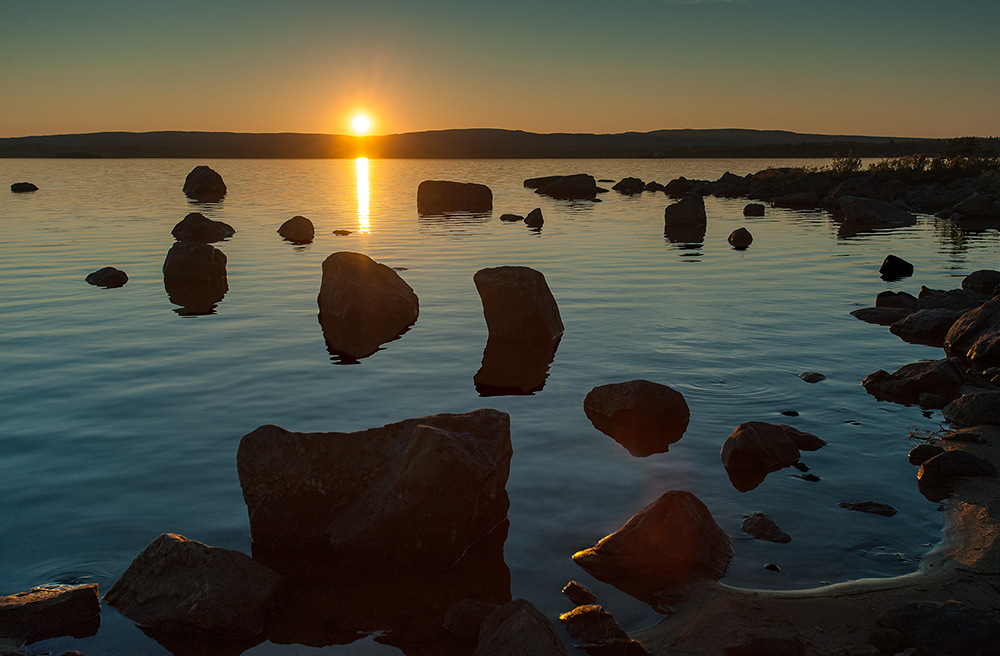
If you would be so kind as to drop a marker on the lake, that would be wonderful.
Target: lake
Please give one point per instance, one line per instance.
(121, 416)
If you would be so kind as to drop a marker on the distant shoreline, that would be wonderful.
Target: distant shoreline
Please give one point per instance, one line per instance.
(467, 144)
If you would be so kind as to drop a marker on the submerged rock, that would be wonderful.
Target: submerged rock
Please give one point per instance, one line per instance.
(180, 586)
(50, 612)
(363, 304)
(22, 187)
(204, 184)
(107, 277)
(761, 527)
(579, 594)
(672, 541)
(642, 416)
(755, 449)
(197, 227)
(580, 186)
(883, 316)
(439, 196)
(687, 212)
(297, 229)
(942, 377)
(870, 507)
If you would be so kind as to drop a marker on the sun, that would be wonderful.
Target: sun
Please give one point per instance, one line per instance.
(361, 124)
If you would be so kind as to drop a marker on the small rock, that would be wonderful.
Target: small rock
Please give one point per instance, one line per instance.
(811, 376)
(22, 187)
(297, 229)
(511, 217)
(984, 282)
(740, 239)
(578, 594)
(630, 186)
(894, 268)
(108, 278)
(592, 624)
(534, 218)
(942, 470)
(519, 628)
(642, 416)
(897, 300)
(920, 454)
(871, 507)
(49, 612)
(205, 184)
(772, 567)
(789, 413)
(810, 478)
(198, 228)
(440, 196)
(762, 528)
(344, 233)
(974, 409)
(801, 466)
(882, 316)
(754, 209)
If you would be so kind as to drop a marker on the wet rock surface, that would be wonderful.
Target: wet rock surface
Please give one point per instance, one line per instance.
(975, 336)
(643, 416)
(755, 449)
(440, 196)
(49, 612)
(870, 507)
(107, 277)
(941, 377)
(197, 227)
(298, 230)
(519, 628)
(762, 528)
(205, 184)
(974, 409)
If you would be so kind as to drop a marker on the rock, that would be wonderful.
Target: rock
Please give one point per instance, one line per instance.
(816, 183)
(22, 187)
(519, 628)
(195, 263)
(511, 217)
(591, 624)
(812, 376)
(870, 507)
(929, 401)
(771, 567)
(740, 239)
(927, 327)
(653, 186)
(789, 413)
(863, 186)
(202, 183)
(363, 304)
(952, 299)
(672, 541)
(465, 619)
(942, 377)
(336, 496)
(180, 586)
(900, 300)
(570, 187)
(874, 213)
(685, 234)
(534, 218)
(579, 594)
(978, 208)
(535, 183)
(687, 212)
(757, 645)
(630, 186)
(942, 470)
(517, 304)
(883, 316)
(440, 196)
(894, 268)
(755, 449)
(984, 281)
(50, 612)
(108, 278)
(976, 336)
(803, 200)
(921, 453)
(762, 528)
(297, 229)
(196, 227)
(974, 409)
(754, 209)
(949, 628)
(679, 187)
(642, 416)
(966, 435)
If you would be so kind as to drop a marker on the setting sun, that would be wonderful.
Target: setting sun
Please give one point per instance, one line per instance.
(361, 123)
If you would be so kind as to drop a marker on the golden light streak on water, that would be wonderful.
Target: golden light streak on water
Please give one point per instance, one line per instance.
(364, 227)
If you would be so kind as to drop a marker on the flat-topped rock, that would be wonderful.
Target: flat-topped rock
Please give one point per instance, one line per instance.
(197, 227)
(440, 196)
(643, 416)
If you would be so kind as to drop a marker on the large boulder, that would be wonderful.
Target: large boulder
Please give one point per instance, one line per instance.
(875, 213)
(642, 416)
(412, 495)
(688, 212)
(363, 304)
(580, 186)
(517, 304)
(941, 470)
(672, 541)
(107, 277)
(755, 449)
(197, 227)
(629, 186)
(297, 229)
(984, 281)
(951, 299)
(50, 612)
(975, 336)
(942, 377)
(440, 196)
(978, 208)
(23, 187)
(519, 628)
(204, 184)
(192, 262)
(974, 409)
(926, 327)
(179, 586)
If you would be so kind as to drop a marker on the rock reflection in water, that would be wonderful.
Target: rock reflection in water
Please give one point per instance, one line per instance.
(183, 645)
(515, 367)
(194, 276)
(685, 236)
(195, 299)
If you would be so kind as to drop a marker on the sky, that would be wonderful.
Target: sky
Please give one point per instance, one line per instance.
(906, 68)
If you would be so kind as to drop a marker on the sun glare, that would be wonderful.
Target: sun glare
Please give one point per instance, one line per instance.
(361, 123)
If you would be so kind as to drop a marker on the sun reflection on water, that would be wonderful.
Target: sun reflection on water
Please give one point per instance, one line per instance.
(364, 227)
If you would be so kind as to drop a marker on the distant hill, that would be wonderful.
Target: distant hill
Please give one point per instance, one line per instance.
(464, 144)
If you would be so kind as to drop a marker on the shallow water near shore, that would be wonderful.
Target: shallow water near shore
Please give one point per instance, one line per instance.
(120, 417)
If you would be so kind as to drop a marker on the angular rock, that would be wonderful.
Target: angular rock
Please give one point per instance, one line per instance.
(984, 281)
(642, 416)
(942, 470)
(22, 187)
(978, 208)
(687, 212)
(517, 304)
(49, 612)
(180, 586)
(952, 299)
(974, 409)
(740, 239)
(761, 527)
(519, 628)
(874, 213)
(107, 277)
(194, 263)
(205, 184)
(883, 316)
(754, 209)
(927, 327)
(672, 541)
(803, 200)
(440, 196)
(900, 300)
(534, 218)
(894, 268)
(198, 228)
(950, 628)
(580, 186)
(942, 377)
(870, 507)
(921, 453)
(579, 594)
(336, 496)
(975, 336)
(363, 304)
(755, 449)
(297, 229)
(591, 623)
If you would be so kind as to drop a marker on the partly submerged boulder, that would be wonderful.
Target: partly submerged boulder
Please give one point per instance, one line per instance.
(689, 211)
(518, 304)
(975, 336)
(412, 495)
(756, 448)
(894, 268)
(534, 218)
(763, 528)
(740, 239)
(642, 416)
(180, 586)
(23, 187)
(580, 186)
(974, 409)
(191, 262)
(629, 186)
(754, 209)
(927, 327)
(440, 196)
(50, 612)
(942, 377)
(107, 277)
(672, 541)
(204, 184)
(984, 281)
(197, 227)
(297, 229)
(363, 304)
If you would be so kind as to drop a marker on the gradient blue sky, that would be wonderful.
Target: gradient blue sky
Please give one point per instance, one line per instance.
(915, 68)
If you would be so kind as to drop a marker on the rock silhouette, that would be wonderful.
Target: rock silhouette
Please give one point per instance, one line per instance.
(642, 416)
(580, 186)
(740, 239)
(755, 449)
(107, 277)
(194, 276)
(439, 196)
(197, 227)
(689, 212)
(22, 187)
(298, 230)
(517, 304)
(975, 336)
(204, 184)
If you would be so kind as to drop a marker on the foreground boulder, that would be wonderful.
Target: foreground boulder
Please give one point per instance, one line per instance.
(517, 304)
(642, 416)
(49, 612)
(107, 277)
(180, 586)
(687, 212)
(204, 184)
(440, 196)
(580, 186)
(519, 628)
(297, 229)
(23, 187)
(975, 336)
(409, 495)
(941, 377)
(363, 304)
(197, 227)
(194, 263)
(672, 541)
(755, 449)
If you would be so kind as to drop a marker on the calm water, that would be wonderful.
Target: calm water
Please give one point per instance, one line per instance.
(120, 418)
